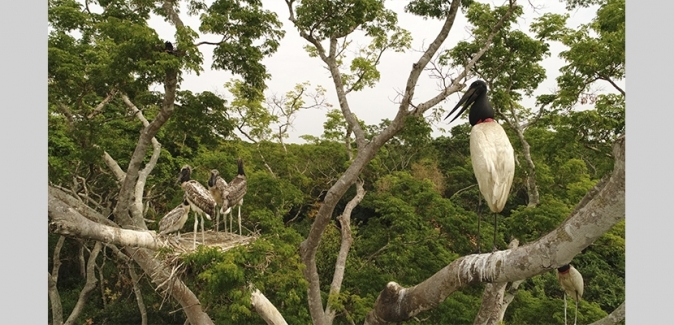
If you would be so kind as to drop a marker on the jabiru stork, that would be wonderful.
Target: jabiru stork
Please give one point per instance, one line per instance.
(234, 193)
(175, 219)
(491, 153)
(571, 282)
(200, 199)
(217, 186)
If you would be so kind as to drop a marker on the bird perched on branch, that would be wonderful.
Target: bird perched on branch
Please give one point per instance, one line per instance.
(491, 153)
(217, 186)
(234, 193)
(175, 219)
(168, 48)
(571, 282)
(200, 199)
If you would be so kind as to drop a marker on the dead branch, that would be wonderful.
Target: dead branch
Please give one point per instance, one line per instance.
(347, 240)
(102, 104)
(89, 286)
(54, 296)
(139, 295)
(68, 221)
(614, 317)
(265, 308)
(492, 308)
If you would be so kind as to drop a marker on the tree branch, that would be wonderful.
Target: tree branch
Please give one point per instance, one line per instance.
(456, 85)
(54, 296)
(138, 293)
(102, 104)
(605, 206)
(66, 220)
(347, 240)
(88, 286)
(614, 317)
(166, 280)
(127, 190)
(266, 309)
(493, 304)
(137, 207)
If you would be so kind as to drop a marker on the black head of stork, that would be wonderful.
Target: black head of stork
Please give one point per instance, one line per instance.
(476, 99)
(185, 173)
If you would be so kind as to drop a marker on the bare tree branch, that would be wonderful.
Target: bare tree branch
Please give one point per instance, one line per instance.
(137, 207)
(102, 104)
(265, 308)
(139, 295)
(54, 296)
(456, 85)
(89, 286)
(614, 317)
(347, 240)
(161, 276)
(128, 188)
(492, 307)
(68, 221)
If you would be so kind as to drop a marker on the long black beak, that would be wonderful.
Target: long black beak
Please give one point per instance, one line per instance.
(467, 99)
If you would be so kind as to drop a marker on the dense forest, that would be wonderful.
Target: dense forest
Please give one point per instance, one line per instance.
(369, 224)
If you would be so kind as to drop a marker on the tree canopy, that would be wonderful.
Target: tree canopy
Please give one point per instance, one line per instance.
(366, 223)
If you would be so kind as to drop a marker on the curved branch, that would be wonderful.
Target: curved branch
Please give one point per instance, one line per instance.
(89, 286)
(266, 309)
(127, 190)
(347, 240)
(613, 318)
(456, 85)
(137, 207)
(605, 206)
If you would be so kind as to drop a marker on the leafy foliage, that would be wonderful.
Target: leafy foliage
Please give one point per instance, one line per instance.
(422, 203)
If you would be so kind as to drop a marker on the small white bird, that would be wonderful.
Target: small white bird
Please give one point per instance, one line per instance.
(491, 153)
(571, 282)
(200, 199)
(175, 219)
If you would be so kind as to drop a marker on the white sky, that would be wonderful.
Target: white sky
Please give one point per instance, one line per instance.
(292, 65)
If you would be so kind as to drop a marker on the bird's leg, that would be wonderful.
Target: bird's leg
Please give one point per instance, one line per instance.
(565, 308)
(239, 219)
(479, 218)
(231, 218)
(217, 221)
(575, 320)
(203, 236)
(194, 239)
(495, 231)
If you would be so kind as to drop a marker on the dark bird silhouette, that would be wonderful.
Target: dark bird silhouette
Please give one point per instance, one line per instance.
(491, 153)
(200, 199)
(168, 47)
(571, 282)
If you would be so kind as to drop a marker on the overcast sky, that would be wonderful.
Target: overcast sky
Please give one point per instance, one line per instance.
(292, 65)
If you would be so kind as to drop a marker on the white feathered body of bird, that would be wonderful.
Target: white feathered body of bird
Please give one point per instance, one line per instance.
(493, 161)
(571, 282)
